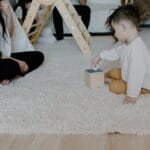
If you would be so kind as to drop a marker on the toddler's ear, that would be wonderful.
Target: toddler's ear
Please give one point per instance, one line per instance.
(123, 26)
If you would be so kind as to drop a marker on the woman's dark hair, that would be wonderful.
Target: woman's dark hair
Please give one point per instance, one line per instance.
(2, 22)
(22, 4)
(126, 12)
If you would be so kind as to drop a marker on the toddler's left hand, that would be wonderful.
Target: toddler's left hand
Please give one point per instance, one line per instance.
(95, 61)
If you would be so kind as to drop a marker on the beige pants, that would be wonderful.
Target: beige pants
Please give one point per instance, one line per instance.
(117, 85)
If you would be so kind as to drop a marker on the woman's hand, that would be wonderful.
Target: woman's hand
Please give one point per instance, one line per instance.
(23, 66)
(4, 6)
(95, 61)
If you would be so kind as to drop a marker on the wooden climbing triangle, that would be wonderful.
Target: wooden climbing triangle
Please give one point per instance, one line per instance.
(69, 15)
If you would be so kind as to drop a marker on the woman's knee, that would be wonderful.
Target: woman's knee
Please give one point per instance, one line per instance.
(40, 56)
(34, 59)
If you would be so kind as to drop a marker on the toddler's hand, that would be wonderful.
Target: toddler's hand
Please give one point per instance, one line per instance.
(95, 61)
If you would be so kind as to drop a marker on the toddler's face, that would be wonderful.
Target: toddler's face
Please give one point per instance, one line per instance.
(119, 31)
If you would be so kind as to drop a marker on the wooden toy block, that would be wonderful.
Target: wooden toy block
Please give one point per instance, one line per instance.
(94, 79)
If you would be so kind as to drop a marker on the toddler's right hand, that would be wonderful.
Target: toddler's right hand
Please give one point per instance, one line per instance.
(95, 61)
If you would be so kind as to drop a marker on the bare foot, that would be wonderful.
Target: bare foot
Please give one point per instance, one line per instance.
(107, 80)
(129, 100)
(5, 82)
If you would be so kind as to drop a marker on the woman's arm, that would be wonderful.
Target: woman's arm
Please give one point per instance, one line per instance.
(5, 7)
(10, 24)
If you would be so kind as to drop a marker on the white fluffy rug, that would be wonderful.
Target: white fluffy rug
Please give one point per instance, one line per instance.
(54, 98)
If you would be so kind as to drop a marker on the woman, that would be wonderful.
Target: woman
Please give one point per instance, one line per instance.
(13, 64)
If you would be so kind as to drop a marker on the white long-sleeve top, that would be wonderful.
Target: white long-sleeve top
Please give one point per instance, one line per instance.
(135, 65)
(19, 13)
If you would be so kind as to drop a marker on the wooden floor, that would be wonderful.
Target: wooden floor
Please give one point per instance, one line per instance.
(74, 142)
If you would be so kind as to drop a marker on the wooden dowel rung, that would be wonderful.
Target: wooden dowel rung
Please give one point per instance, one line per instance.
(32, 40)
(36, 24)
(33, 33)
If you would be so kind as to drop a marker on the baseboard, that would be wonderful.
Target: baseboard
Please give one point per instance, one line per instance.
(104, 33)
(145, 26)
(93, 34)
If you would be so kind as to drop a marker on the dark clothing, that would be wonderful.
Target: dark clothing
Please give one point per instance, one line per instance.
(9, 68)
(83, 11)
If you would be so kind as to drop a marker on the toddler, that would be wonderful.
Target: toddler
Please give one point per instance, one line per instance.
(133, 78)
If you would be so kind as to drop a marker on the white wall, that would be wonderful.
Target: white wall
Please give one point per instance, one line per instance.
(105, 1)
(100, 10)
